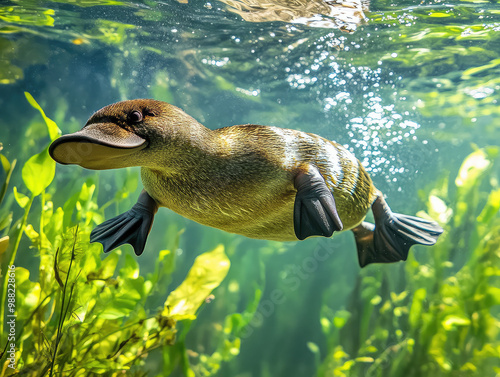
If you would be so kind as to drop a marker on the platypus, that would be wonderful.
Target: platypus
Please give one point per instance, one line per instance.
(258, 181)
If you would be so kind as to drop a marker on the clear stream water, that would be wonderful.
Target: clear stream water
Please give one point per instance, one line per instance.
(409, 87)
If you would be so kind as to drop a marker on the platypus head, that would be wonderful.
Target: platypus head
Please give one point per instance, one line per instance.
(141, 132)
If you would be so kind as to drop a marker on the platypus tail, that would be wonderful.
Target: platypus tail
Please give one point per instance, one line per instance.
(131, 227)
(392, 235)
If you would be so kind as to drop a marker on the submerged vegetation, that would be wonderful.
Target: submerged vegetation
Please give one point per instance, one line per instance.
(444, 319)
(80, 314)
(83, 314)
(412, 89)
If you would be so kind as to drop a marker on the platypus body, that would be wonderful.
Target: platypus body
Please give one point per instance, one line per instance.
(258, 181)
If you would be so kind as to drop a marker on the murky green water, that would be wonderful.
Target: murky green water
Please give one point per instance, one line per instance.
(411, 89)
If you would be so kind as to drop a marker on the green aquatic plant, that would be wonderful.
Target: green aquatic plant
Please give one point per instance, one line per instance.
(78, 314)
(27, 16)
(441, 318)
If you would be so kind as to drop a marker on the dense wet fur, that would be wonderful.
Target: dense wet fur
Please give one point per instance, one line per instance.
(244, 178)
(240, 179)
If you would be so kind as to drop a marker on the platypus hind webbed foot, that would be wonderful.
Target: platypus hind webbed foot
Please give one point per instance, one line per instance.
(392, 235)
(131, 227)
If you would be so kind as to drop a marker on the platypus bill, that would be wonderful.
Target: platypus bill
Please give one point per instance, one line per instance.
(257, 181)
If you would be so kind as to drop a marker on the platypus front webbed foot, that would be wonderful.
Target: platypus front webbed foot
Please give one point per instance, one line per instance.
(131, 227)
(390, 239)
(314, 212)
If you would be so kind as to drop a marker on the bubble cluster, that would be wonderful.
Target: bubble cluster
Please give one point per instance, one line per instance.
(218, 63)
(365, 101)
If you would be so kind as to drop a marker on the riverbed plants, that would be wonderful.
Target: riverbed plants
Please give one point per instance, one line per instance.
(81, 313)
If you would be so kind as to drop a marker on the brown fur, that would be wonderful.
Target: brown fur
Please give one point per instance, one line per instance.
(240, 178)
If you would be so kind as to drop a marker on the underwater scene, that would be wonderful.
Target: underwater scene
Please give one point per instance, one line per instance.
(411, 89)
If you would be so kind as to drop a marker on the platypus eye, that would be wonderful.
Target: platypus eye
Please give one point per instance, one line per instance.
(135, 116)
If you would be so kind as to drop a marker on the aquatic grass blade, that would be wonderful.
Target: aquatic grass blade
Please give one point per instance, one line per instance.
(54, 131)
(8, 169)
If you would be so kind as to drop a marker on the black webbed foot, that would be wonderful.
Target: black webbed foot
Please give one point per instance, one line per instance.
(315, 213)
(392, 236)
(131, 227)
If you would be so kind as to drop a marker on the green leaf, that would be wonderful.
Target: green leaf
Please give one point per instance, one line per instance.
(109, 265)
(130, 269)
(6, 220)
(452, 321)
(493, 296)
(439, 14)
(438, 209)
(118, 307)
(313, 347)
(491, 208)
(31, 233)
(5, 163)
(416, 307)
(4, 243)
(207, 272)
(27, 293)
(38, 172)
(472, 167)
(8, 168)
(54, 131)
(21, 199)
(364, 359)
(27, 16)
(341, 318)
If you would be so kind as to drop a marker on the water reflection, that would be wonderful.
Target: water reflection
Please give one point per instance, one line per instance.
(344, 15)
